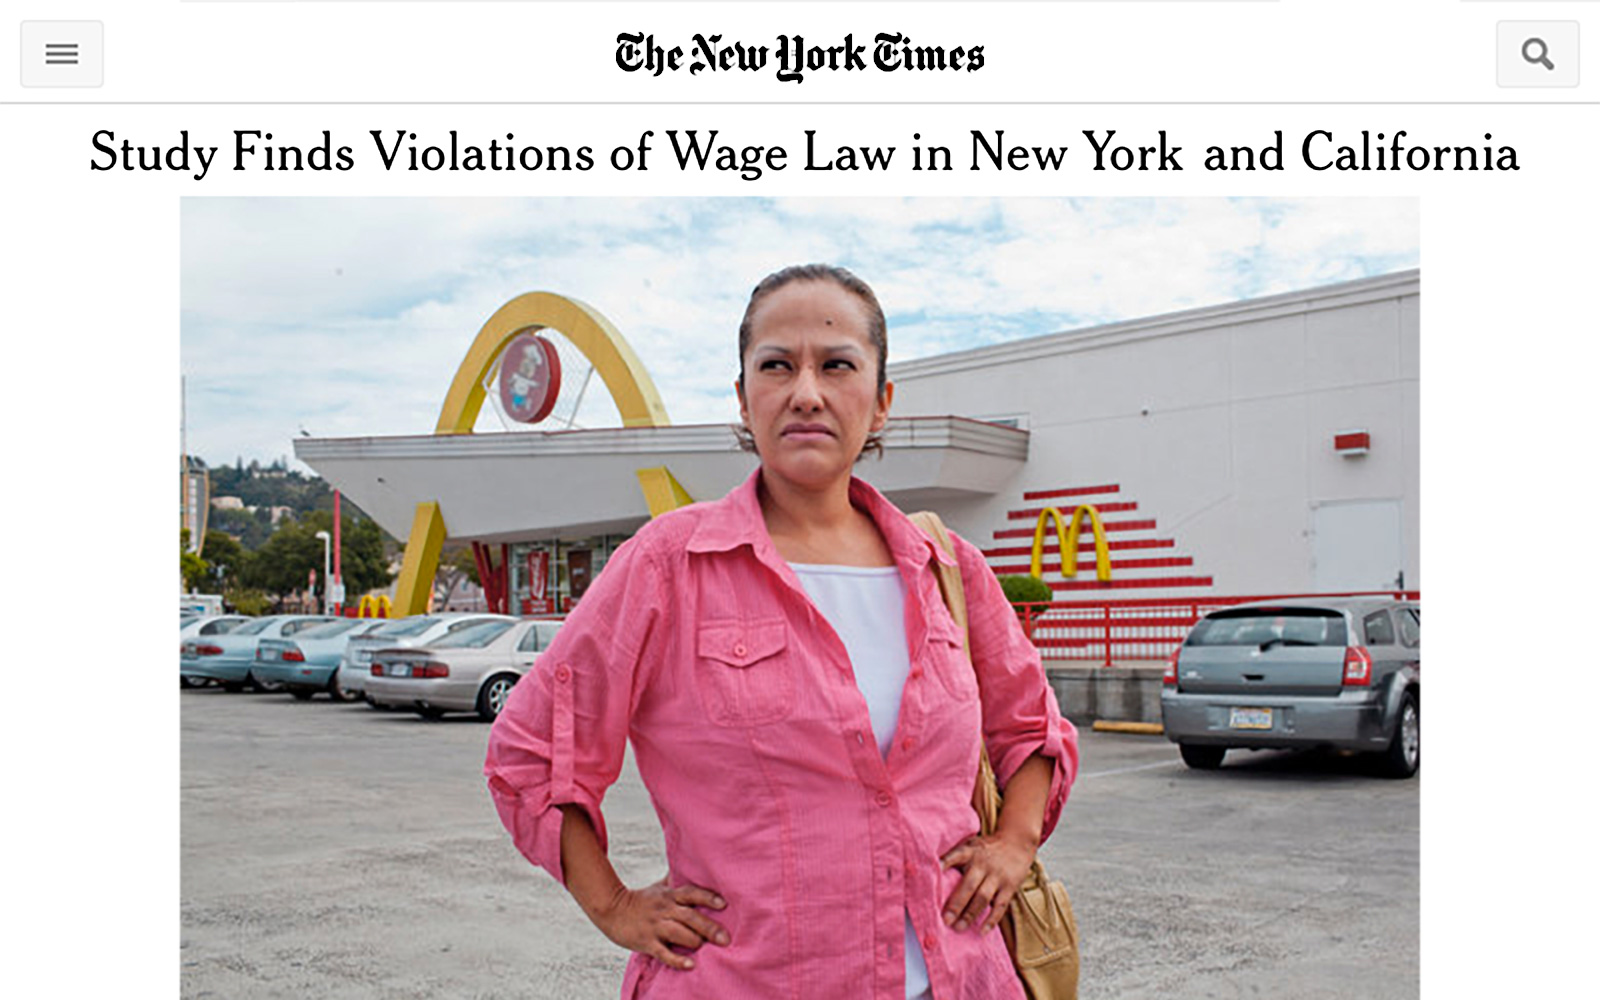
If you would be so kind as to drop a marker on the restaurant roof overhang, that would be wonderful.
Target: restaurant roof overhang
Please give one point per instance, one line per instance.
(532, 485)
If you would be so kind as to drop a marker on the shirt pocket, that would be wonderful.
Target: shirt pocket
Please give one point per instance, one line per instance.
(947, 659)
(744, 671)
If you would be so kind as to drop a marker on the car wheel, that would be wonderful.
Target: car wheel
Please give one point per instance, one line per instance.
(337, 691)
(1202, 758)
(192, 682)
(1404, 755)
(492, 698)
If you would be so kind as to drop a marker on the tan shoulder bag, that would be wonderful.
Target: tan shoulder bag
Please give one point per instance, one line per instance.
(1040, 930)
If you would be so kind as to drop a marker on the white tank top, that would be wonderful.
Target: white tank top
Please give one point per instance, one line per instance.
(866, 605)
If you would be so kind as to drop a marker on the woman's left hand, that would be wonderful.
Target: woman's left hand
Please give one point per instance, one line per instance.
(992, 869)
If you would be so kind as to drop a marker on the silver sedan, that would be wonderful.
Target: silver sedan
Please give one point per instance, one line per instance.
(470, 670)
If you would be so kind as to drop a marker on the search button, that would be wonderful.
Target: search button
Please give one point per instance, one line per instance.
(1534, 50)
(1537, 53)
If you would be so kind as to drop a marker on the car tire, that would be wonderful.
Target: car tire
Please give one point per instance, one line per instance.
(492, 696)
(1202, 758)
(337, 691)
(192, 682)
(1404, 755)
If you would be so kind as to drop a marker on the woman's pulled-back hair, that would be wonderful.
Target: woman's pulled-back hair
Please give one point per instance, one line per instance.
(877, 329)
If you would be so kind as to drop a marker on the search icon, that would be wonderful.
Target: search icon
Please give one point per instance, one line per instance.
(1534, 50)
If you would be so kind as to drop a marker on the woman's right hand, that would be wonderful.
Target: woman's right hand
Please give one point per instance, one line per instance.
(654, 919)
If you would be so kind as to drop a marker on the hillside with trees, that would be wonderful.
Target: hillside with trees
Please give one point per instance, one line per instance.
(259, 566)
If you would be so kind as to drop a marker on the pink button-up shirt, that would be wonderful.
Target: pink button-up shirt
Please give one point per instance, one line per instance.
(699, 644)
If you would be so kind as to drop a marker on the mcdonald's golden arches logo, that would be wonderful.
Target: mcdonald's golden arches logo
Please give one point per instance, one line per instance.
(1067, 540)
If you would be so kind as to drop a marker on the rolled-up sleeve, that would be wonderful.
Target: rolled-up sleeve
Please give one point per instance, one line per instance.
(561, 737)
(1020, 714)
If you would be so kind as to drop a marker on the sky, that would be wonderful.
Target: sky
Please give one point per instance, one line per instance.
(346, 317)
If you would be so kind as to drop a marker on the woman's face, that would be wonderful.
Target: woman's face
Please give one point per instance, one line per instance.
(810, 394)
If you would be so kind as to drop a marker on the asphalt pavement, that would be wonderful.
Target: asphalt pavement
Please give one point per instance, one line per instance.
(334, 851)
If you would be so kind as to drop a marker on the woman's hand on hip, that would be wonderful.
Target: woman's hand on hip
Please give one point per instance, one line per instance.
(657, 917)
(993, 867)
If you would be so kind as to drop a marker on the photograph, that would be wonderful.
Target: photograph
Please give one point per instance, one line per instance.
(1138, 477)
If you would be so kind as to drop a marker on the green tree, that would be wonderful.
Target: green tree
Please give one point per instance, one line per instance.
(195, 571)
(283, 565)
(226, 556)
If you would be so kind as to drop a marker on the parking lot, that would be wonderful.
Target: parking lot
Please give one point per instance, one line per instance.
(329, 850)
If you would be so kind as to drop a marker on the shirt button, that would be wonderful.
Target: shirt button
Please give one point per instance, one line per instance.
(563, 673)
(738, 649)
(883, 799)
(859, 738)
(927, 942)
(907, 744)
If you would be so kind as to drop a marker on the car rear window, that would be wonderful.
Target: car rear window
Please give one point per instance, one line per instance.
(473, 636)
(404, 628)
(1258, 626)
(327, 630)
(254, 627)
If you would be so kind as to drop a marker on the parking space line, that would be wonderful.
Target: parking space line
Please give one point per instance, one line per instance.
(1127, 770)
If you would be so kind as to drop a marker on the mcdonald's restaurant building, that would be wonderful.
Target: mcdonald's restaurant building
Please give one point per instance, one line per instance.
(1262, 447)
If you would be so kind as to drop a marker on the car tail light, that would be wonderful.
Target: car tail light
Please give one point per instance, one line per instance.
(294, 656)
(377, 669)
(1357, 667)
(206, 649)
(429, 670)
(1169, 677)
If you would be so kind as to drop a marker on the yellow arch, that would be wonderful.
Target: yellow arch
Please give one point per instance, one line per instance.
(619, 368)
(1067, 542)
(625, 377)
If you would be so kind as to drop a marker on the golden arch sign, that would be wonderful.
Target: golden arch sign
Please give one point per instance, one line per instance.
(1067, 540)
(613, 359)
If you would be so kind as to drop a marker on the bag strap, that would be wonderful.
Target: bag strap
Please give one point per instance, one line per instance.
(986, 790)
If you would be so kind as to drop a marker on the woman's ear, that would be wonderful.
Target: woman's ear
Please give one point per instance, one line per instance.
(881, 418)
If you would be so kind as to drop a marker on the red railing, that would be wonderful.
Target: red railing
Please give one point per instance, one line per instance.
(1109, 631)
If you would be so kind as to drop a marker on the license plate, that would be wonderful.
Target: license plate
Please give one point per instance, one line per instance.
(1250, 718)
(399, 670)
(363, 656)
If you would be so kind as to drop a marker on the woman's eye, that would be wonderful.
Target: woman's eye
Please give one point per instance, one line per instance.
(841, 364)
(774, 364)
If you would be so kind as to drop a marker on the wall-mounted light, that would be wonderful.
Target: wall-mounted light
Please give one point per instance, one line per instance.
(1352, 443)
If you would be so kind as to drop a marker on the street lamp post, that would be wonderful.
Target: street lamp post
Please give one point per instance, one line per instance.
(327, 559)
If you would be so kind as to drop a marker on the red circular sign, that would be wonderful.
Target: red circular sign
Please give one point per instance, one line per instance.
(530, 378)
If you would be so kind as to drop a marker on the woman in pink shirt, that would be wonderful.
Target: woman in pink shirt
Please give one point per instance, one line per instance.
(800, 709)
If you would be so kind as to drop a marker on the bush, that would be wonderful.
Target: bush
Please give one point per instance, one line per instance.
(247, 602)
(1026, 589)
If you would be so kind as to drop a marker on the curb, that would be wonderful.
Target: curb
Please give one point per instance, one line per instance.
(1144, 728)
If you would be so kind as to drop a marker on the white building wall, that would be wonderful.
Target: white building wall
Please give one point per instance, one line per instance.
(1219, 423)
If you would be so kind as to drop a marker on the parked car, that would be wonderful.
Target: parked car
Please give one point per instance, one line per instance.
(472, 669)
(1343, 673)
(308, 662)
(228, 658)
(398, 633)
(198, 625)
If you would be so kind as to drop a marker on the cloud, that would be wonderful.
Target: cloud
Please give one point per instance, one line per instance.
(348, 317)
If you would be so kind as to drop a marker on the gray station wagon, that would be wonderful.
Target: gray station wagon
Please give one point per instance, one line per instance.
(1339, 672)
